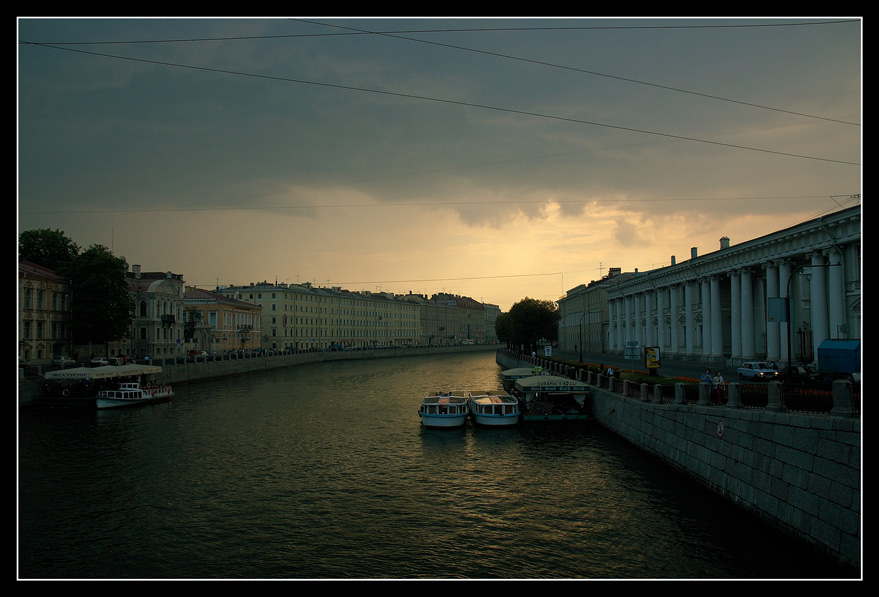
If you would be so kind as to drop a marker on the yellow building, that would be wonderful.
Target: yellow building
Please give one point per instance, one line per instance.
(303, 317)
(43, 314)
(219, 324)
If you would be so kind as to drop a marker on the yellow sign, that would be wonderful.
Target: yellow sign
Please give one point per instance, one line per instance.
(651, 355)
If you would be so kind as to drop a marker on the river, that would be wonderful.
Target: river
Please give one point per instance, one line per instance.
(323, 471)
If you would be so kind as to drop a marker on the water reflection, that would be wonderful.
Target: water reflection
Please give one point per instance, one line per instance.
(324, 471)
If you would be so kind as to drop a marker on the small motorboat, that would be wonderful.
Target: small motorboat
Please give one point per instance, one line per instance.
(128, 394)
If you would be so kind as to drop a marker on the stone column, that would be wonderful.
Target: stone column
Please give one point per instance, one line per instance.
(627, 336)
(784, 272)
(660, 319)
(716, 319)
(736, 314)
(748, 348)
(706, 317)
(674, 296)
(639, 309)
(611, 324)
(773, 339)
(818, 301)
(690, 320)
(836, 294)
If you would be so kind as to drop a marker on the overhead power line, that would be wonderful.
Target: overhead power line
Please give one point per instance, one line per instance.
(588, 72)
(444, 101)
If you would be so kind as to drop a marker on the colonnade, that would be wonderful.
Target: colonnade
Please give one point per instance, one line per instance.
(720, 309)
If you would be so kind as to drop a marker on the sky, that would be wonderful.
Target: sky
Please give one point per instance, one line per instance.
(494, 158)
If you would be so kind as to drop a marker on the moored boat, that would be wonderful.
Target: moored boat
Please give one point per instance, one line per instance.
(509, 376)
(494, 409)
(444, 410)
(128, 394)
(552, 398)
(80, 386)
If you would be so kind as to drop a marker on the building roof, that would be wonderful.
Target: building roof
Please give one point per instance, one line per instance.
(30, 269)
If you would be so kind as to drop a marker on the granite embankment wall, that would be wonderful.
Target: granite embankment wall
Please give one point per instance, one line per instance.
(174, 373)
(799, 472)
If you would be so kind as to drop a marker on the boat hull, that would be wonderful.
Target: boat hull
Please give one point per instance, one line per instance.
(549, 411)
(102, 402)
(545, 418)
(117, 403)
(496, 420)
(443, 421)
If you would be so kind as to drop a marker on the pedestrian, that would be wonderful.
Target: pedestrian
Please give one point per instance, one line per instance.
(706, 377)
(718, 388)
(610, 372)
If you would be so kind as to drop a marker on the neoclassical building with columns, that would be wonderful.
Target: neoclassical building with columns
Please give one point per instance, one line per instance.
(729, 305)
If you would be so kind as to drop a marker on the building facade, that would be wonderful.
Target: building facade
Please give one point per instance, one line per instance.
(43, 314)
(303, 317)
(773, 298)
(220, 324)
(157, 321)
(583, 317)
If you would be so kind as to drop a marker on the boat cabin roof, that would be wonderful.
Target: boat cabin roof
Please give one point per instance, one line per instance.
(495, 399)
(551, 383)
(445, 398)
(106, 372)
(522, 372)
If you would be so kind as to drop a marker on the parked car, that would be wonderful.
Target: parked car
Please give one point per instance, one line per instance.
(757, 370)
(799, 374)
(63, 360)
(99, 361)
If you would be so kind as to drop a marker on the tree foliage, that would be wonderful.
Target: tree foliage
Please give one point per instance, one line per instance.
(49, 248)
(528, 322)
(101, 305)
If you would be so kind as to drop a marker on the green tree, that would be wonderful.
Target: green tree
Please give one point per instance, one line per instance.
(101, 304)
(532, 320)
(503, 329)
(49, 248)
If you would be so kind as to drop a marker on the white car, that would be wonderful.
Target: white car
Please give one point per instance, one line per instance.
(99, 362)
(757, 370)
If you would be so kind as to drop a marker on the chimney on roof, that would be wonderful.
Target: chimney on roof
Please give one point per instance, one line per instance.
(673, 260)
(724, 242)
(694, 252)
(136, 270)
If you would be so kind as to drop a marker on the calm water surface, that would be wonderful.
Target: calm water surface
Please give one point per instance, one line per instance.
(323, 471)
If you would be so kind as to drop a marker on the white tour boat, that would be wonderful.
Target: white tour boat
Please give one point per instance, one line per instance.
(444, 410)
(128, 394)
(494, 409)
(552, 398)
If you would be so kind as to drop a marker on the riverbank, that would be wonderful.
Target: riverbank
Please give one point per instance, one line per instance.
(799, 472)
(178, 373)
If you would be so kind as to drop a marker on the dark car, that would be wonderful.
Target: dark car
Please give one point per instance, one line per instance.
(799, 374)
